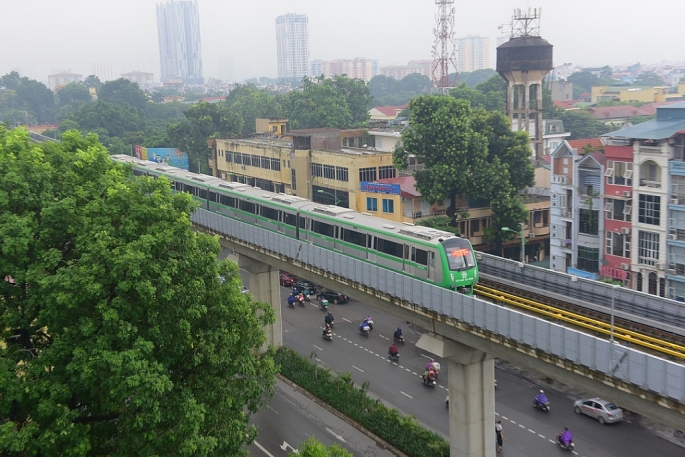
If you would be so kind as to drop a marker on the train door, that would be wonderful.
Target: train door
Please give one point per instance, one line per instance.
(371, 248)
(432, 267)
(409, 253)
(337, 244)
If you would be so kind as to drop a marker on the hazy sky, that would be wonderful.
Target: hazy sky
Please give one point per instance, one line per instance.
(238, 36)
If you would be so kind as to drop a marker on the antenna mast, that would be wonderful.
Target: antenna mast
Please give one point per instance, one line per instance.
(444, 48)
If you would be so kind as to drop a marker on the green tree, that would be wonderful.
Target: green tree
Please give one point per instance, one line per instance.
(650, 79)
(316, 106)
(32, 96)
(357, 97)
(73, 93)
(314, 448)
(203, 120)
(415, 83)
(113, 119)
(251, 103)
(473, 78)
(455, 156)
(128, 343)
(580, 123)
(92, 81)
(381, 85)
(121, 92)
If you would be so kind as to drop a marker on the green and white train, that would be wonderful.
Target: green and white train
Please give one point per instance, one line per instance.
(434, 256)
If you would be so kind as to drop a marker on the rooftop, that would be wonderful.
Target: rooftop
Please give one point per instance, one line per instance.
(669, 121)
(594, 144)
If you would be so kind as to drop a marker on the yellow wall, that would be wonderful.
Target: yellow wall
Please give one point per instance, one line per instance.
(642, 95)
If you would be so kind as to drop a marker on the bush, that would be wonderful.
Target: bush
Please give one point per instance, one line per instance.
(338, 391)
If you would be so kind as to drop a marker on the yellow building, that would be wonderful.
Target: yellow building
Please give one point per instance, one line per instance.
(634, 94)
(276, 127)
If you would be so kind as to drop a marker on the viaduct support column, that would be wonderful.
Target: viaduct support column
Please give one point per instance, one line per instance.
(264, 287)
(471, 388)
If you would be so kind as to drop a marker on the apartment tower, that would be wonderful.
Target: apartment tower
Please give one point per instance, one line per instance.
(292, 45)
(473, 53)
(178, 27)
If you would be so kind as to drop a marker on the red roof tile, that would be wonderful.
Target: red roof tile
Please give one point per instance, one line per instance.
(594, 143)
(650, 108)
(616, 112)
(391, 110)
(566, 104)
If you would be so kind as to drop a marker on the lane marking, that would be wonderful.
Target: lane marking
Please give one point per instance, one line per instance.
(272, 409)
(531, 431)
(505, 418)
(415, 374)
(336, 435)
(406, 395)
(522, 426)
(317, 347)
(542, 436)
(347, 320)
(264, 450)
(357, 368)
(512, 421)
(428, 357)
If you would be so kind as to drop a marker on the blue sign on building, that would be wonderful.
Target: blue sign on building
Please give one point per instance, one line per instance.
(581, 273)
(380, 188)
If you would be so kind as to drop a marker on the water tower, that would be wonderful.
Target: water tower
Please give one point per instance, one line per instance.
(524, 61)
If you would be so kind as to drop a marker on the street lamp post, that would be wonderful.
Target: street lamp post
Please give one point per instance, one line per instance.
(335, 199)
(523, 240)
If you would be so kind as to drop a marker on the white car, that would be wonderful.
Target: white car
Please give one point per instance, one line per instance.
(602, 410)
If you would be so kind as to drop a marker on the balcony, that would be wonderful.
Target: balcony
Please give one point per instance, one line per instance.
(566, 212)
(652, 184)
(567, 243)
(649, 150)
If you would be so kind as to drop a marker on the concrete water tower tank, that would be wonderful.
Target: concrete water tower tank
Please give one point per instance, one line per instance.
(524, 61)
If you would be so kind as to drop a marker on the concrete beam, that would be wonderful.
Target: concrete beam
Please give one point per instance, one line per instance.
(264, 287)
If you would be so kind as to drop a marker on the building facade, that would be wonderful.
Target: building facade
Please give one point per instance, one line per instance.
(59, 80)
(292, 45)
(422, 67)
(473, 53)
(180, 53)
(139, 77)
(358, 68)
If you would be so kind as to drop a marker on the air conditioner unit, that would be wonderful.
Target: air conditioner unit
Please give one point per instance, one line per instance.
(671, 271)
(626, 193)
(674, 201)
(672, 236)
(660, 266)
(625, 266)
(625, 230)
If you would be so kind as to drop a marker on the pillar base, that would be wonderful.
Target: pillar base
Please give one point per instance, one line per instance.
(264, 287)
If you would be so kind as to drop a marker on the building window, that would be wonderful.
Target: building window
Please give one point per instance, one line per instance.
(387, 172)
(648, 248)
(329, 171)
(649, 209)
(341, 174)
(275, 164)
(371, 204)
(246, 159)
(255, 160)
(588, 259)
(589, 222)
(388, 205)
(229, 156)
(619, 173)
(293, 183)
(618, 244)
(317, 169)
(367, 174)
(475, 226)
(618, 210)
(266, 163)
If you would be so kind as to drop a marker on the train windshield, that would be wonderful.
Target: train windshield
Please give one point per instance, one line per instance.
(459, 254)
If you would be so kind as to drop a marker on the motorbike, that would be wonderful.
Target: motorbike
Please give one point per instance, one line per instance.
(569, 447)
(323, 304)
(435, 366)
(430, 382)
(291, 301)
(307, 295)
(364, 330)
(369, 322)
(394, 357)
(542, 405)
(326, 321)
(327, 335)
(398, 339)
(300, 300)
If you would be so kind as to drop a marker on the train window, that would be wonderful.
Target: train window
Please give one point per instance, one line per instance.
(246, 206)
(389, 247)
(290, 219)
(270, 213)
(303, 222)
(213, 197)
(420, 256)
(323, 229)
(179, 186)
(370, 242)
(228, 201)
(354, 237)
(406, 252)
(459, 254)
(203, 194)
(192, 190)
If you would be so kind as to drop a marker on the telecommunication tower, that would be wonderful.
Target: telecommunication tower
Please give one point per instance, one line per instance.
(524, 61)
(444, 48)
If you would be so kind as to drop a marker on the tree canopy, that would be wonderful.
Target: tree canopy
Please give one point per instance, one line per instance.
(28, 98)
(387, 91)
(251, 103)
(119, 337)
(314, 448)
(121, 92)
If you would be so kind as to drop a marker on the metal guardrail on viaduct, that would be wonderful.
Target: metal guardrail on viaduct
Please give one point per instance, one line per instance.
(635, 380)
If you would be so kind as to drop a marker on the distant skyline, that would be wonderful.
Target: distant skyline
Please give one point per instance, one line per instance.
(239, 38)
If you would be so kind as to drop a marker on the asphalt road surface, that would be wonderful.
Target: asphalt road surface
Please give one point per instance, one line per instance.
(529, 432)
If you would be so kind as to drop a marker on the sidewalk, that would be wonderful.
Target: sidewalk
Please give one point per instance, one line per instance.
(653, 427)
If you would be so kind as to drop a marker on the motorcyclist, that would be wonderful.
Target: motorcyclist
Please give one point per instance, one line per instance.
(327, 330)
(429, 375)
(329, 318)
(398, 334)
(291, 300)
(363, 324)
(566, 437)
(392, 350)
(541, 398)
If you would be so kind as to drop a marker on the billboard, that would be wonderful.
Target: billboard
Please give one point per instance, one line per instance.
(380, 188)
(171, 156)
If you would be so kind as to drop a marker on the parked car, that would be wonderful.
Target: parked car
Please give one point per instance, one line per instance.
(602, 410)
(286, 279)
(332, 296)
(302, 285)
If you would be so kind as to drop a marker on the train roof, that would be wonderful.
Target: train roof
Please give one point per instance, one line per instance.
(344, 215)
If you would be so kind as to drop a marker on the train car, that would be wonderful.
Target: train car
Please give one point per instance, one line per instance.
(434, 256)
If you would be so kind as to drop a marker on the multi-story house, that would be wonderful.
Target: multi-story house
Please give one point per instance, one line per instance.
(576, 204)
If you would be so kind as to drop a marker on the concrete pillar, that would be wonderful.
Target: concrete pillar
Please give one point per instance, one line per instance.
(471, 388)
(264, 287)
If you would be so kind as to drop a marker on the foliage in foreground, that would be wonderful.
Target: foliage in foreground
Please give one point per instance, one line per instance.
(313, 448)
(339, 391)
(120, 338)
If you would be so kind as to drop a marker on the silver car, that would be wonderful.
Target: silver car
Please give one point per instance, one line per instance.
(602, 410)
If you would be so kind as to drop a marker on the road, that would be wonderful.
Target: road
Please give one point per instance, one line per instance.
(292, 418)
(529, 432)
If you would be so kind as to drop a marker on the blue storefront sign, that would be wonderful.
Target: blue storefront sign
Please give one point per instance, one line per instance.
(380, 188)
(581, 273)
